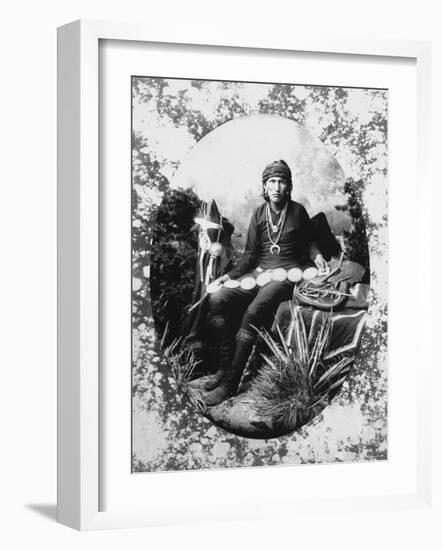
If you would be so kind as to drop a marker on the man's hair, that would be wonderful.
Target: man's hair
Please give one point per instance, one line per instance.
(277, 168)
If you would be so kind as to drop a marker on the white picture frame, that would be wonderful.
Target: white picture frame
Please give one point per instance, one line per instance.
(79, 273)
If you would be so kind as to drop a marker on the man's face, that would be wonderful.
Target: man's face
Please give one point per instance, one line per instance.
(277, 189)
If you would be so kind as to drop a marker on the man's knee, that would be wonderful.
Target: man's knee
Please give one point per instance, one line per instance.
(260, 312)
(260, 306)
(255, 314)
(219, 302)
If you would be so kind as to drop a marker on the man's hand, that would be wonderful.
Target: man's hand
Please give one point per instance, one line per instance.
(221, 280)
(320, 262)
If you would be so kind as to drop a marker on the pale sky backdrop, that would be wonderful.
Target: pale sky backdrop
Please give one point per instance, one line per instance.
(227, 165)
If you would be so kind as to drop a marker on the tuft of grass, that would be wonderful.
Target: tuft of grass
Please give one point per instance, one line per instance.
(293, 383)
(195, 396)
(182, 362)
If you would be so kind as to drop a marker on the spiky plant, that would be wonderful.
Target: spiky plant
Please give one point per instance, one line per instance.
(293, 383)
(182, 362)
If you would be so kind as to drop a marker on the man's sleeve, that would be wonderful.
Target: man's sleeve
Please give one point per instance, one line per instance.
(249, 258)
(312, 247)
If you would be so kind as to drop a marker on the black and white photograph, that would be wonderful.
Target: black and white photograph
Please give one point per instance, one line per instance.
(221, 275)
(259, 263)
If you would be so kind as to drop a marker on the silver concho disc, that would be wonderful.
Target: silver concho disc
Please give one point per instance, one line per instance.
(280, 274)
(310, 273)
(213, 287)
(295, 274)
(263, 278)
(248, 283)
(275, 249)
(232, 283)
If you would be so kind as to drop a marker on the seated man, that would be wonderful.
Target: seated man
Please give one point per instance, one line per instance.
(279, 236)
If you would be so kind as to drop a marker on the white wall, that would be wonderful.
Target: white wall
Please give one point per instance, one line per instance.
(28, 221)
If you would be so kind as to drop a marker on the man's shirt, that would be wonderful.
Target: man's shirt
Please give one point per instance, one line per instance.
(297, 248)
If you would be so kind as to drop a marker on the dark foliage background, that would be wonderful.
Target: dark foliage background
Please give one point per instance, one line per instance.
(173, 260)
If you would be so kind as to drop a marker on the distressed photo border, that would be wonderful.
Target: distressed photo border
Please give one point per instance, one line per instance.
(168, 434)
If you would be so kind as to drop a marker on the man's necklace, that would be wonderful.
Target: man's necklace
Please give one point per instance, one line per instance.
(274, 247)
(275, 227)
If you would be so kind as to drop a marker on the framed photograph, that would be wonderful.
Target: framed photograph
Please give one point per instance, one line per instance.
(231, 318)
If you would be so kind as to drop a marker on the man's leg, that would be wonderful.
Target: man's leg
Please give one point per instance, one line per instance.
(261, 311)
(259, 314)
(224, 306)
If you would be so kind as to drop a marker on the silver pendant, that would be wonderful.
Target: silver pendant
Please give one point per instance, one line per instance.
(275, 249)
(275, 228)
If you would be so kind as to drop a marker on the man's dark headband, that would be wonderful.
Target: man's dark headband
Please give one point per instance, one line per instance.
(276, 169)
